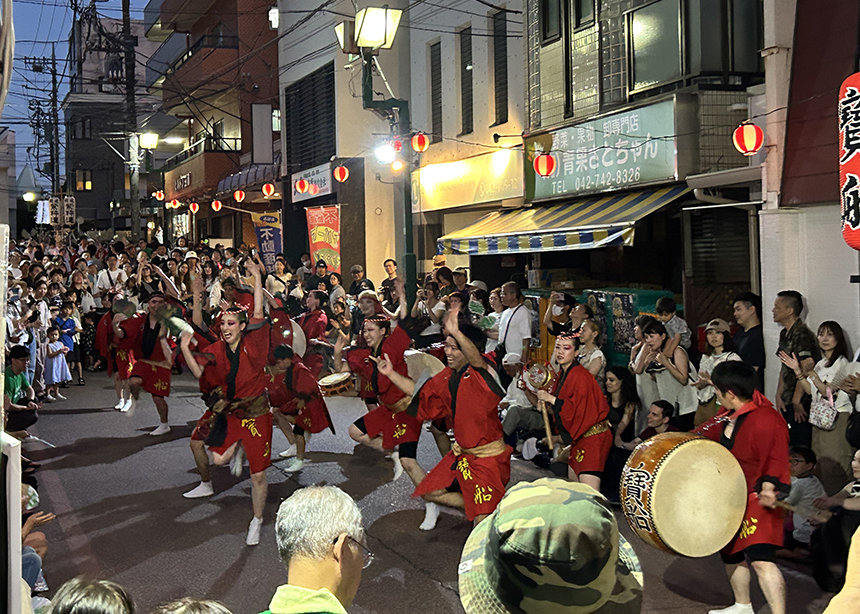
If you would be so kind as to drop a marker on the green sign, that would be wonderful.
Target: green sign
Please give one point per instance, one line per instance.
(615, 152)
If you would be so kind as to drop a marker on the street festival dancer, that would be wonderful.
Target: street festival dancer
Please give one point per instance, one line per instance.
(580, 413)
(241, 423)
(297, 403)
(474, 474)
(117, 353)
(757, 436)
(153, 356)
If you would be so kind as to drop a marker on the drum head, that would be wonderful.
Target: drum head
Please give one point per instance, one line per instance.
(298, 341)
(699, 498)
(538, 375)
(418, 362)
(334, 379)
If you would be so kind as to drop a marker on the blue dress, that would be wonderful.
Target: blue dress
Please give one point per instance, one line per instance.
(56, 368)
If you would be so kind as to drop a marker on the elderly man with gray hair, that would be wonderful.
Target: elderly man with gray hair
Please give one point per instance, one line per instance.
(321, 543)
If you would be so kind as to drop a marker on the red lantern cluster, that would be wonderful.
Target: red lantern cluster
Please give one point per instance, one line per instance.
(302, 186)
(341, 173)
(420, 142)
(216, 205)
(268, 189)
(194, 207)
(159, 195)
(748, 138)
(238, 196)
(544, 164)
(397, 144)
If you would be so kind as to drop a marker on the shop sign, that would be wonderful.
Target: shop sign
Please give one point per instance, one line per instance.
(615, 152)
(849, 159)
(482, 179)
(324, 235)
(267, 227)
(320, 176)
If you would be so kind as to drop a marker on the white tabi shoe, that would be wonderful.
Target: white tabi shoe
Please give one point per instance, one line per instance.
(738, 608)
(398, 466)
(162, 429)
(254, 532)
(289, 452)
(119, 405)
(431, 515)
(294, 465)
(203, 489)
(127, 406)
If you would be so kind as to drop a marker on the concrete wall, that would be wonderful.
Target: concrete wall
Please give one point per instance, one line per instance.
(8, 192)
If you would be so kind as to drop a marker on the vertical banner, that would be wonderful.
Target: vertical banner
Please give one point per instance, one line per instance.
(849, 160)
(267, 226)
(324, 235)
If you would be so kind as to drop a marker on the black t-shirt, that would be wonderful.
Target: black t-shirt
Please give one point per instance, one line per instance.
(749, 344)
(357, 287)
(313, 283)
(388, 293)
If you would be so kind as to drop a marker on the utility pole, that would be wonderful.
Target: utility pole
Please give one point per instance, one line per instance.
(55, 125)
(131, 119)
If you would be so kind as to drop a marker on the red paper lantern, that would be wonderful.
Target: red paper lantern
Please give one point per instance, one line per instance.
(159, 195)
(748, 138)
(544, 164)
(420, 142)
(216, 205)
(194, 208)
(314, 189)
(302, 186)
(397, 144)
(238, 196)
(268, 189)
(174, 204)
(849, 159)
(340, 173)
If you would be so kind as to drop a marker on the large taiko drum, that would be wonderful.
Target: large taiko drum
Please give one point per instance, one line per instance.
(684, 494)
(418, 363)
(336, 384)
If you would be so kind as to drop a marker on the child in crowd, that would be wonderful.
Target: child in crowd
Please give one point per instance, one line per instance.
(53, 297)
(68, 328)
(88, 342)
(676, 328)
(805, 488)
(56, 367)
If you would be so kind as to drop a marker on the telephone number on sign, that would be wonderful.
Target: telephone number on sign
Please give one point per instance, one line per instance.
(599, 180)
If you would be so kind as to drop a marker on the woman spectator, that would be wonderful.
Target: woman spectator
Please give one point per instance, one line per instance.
(218, 259)
(431, 307)
(79, 287)
(719, 347)
(337, 292)
(182, 281)
(623, 405)
(590, 355)
(672, 374)
(210, 274)
(445, 279)
(147, 284)
(490, 322)
(279, 281)
(646, 387)
(824, 384)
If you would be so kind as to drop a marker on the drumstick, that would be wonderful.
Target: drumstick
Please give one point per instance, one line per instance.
(547, 428)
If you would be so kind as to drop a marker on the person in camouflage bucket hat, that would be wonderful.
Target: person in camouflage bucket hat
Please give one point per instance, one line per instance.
(550, 546)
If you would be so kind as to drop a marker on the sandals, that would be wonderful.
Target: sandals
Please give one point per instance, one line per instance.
(81, 381)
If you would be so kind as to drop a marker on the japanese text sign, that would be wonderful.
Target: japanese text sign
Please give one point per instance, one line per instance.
(324, 235)
(615, 152)
(267, 226)
(319, 176)
(849, 159)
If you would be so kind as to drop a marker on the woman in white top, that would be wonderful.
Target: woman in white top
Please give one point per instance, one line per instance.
(719, 347)
(337, 291)
(429, 305)
(590, 355)
(646, 387)
(824, 383)
(279, 281)
(673, 374)
(490, 322)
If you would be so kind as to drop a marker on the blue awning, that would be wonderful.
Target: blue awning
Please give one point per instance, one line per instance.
(583, 224)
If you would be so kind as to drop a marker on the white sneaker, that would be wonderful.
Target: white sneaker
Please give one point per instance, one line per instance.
(254, 532)
(49, 398)
(127, 405)
(738, 608)
(59, 397)
(288, 453)
(530, 448)
(431, 515)
(119, 405)
(162, 429)
(203, 489)
(294, 465)
(398, 466)
(237, 462)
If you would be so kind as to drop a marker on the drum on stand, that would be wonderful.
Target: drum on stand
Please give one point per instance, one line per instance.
(336, 384)
(683, 494)
(418, 363)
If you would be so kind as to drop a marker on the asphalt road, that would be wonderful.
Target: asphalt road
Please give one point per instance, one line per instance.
(117, 494)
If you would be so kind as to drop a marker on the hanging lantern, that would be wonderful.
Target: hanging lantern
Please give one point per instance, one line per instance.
(174, 204)
(302, 186)
(748, 138)
(159, 195)
(238, 196)
(544, 164)
(420, 142)
(397, 144)
(340, 173)
(216, 205)
(314, 189)
(268, 189)
(194, 207)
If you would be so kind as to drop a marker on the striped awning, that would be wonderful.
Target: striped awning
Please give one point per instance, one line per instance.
(582, 224)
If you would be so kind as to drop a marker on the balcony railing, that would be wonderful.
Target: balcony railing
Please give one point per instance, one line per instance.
(207, 143)
(210, 41)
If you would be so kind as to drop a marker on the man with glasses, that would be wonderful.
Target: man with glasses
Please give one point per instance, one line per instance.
(321, 542)
(19, 399)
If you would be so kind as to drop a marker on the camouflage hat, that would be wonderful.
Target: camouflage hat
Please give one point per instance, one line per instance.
(550, 546)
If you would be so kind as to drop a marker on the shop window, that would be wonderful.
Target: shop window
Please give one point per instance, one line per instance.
(82, 128)
(309, 120)
(466, 107)
(654, 34)
(500, 66)
(436, 92)
(550, 20)
(83, 180)
(276, 120)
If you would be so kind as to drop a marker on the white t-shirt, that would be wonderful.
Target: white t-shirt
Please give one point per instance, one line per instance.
(835, 374)
(439, 311)
(514, 326)
(110, 279)
(707, 364)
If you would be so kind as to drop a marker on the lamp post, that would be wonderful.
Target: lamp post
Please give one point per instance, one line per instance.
(138, 144)
(374, 29)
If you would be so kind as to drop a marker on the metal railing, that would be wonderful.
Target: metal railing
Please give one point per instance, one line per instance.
(207, 143)
(209, 41)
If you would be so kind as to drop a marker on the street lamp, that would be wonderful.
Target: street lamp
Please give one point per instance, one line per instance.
(375, 27)
(148, 140)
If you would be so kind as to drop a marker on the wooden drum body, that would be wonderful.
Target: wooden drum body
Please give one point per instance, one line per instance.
(336, 384)
(684, 494)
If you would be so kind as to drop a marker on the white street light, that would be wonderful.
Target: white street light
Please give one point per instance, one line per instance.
(385, 154)
(376, 27)
(148, 140)
(29, 197)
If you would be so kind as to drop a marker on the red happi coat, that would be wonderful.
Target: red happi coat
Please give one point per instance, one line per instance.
(314, 324)
(251, 378)
(395, 344)
(302, 398)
